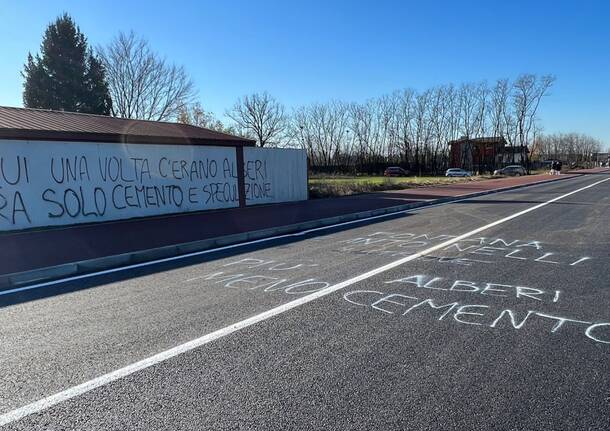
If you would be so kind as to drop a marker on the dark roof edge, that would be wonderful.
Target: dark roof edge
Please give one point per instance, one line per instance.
(49, 135)
(106, 117)
(482, 139)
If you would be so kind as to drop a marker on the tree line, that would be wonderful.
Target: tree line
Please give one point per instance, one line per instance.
(573, 148)
(409, 128)
(412, 129)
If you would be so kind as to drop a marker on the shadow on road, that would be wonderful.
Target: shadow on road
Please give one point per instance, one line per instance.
(154, 268)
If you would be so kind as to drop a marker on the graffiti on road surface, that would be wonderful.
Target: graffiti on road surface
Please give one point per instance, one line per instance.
(406, 304)
(466, 252)
(263, 275)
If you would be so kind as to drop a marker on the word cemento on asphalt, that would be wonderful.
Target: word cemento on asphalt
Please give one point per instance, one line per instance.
(469, 250)
(263, 280)
(472, 314)
(480, 288)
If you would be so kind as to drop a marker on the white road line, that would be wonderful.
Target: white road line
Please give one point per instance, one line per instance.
(241, 244)
(83, 388)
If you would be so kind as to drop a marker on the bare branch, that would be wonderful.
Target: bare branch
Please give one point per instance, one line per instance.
(260, 116)
(142, 85)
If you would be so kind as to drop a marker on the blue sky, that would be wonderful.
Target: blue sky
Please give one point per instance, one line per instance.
(314, 51)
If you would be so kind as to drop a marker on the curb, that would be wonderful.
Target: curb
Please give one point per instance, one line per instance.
(20, 279)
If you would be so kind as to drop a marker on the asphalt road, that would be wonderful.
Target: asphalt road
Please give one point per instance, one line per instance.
(489, 313)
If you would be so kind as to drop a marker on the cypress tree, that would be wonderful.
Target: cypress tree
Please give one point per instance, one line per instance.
(65, 76)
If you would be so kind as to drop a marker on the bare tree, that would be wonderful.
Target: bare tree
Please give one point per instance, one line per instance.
(528, 92)
(260, 116)
(406, 117)
(468, 102)
(422, 129)
(195, 115)
(322, 130)
(440, 118)
(143, 85)
(481, 120)
(498, 104)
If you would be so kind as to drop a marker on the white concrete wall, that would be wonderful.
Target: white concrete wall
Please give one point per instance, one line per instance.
(60, 183)
(275, 175)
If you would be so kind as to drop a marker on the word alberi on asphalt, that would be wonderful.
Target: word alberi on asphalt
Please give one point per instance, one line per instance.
(485, 289)
(265, 282)
(469, 250)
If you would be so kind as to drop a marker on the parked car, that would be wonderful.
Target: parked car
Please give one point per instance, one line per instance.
(395, 171)
(511, 171)
(457, 172)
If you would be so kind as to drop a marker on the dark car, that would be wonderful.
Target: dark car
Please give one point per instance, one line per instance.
(511, 171)
(395, 171)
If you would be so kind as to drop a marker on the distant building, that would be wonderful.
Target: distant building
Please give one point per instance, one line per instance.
(510, 155)
(485, 154)
(601, 159)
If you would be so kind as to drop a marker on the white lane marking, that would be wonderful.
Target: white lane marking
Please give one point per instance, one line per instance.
(83, 388)
(243, 244)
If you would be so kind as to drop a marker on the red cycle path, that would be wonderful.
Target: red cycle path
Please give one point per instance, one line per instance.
(29, 250)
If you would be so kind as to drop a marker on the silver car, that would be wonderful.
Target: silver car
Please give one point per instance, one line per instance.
(512, 171)
(457, 172)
